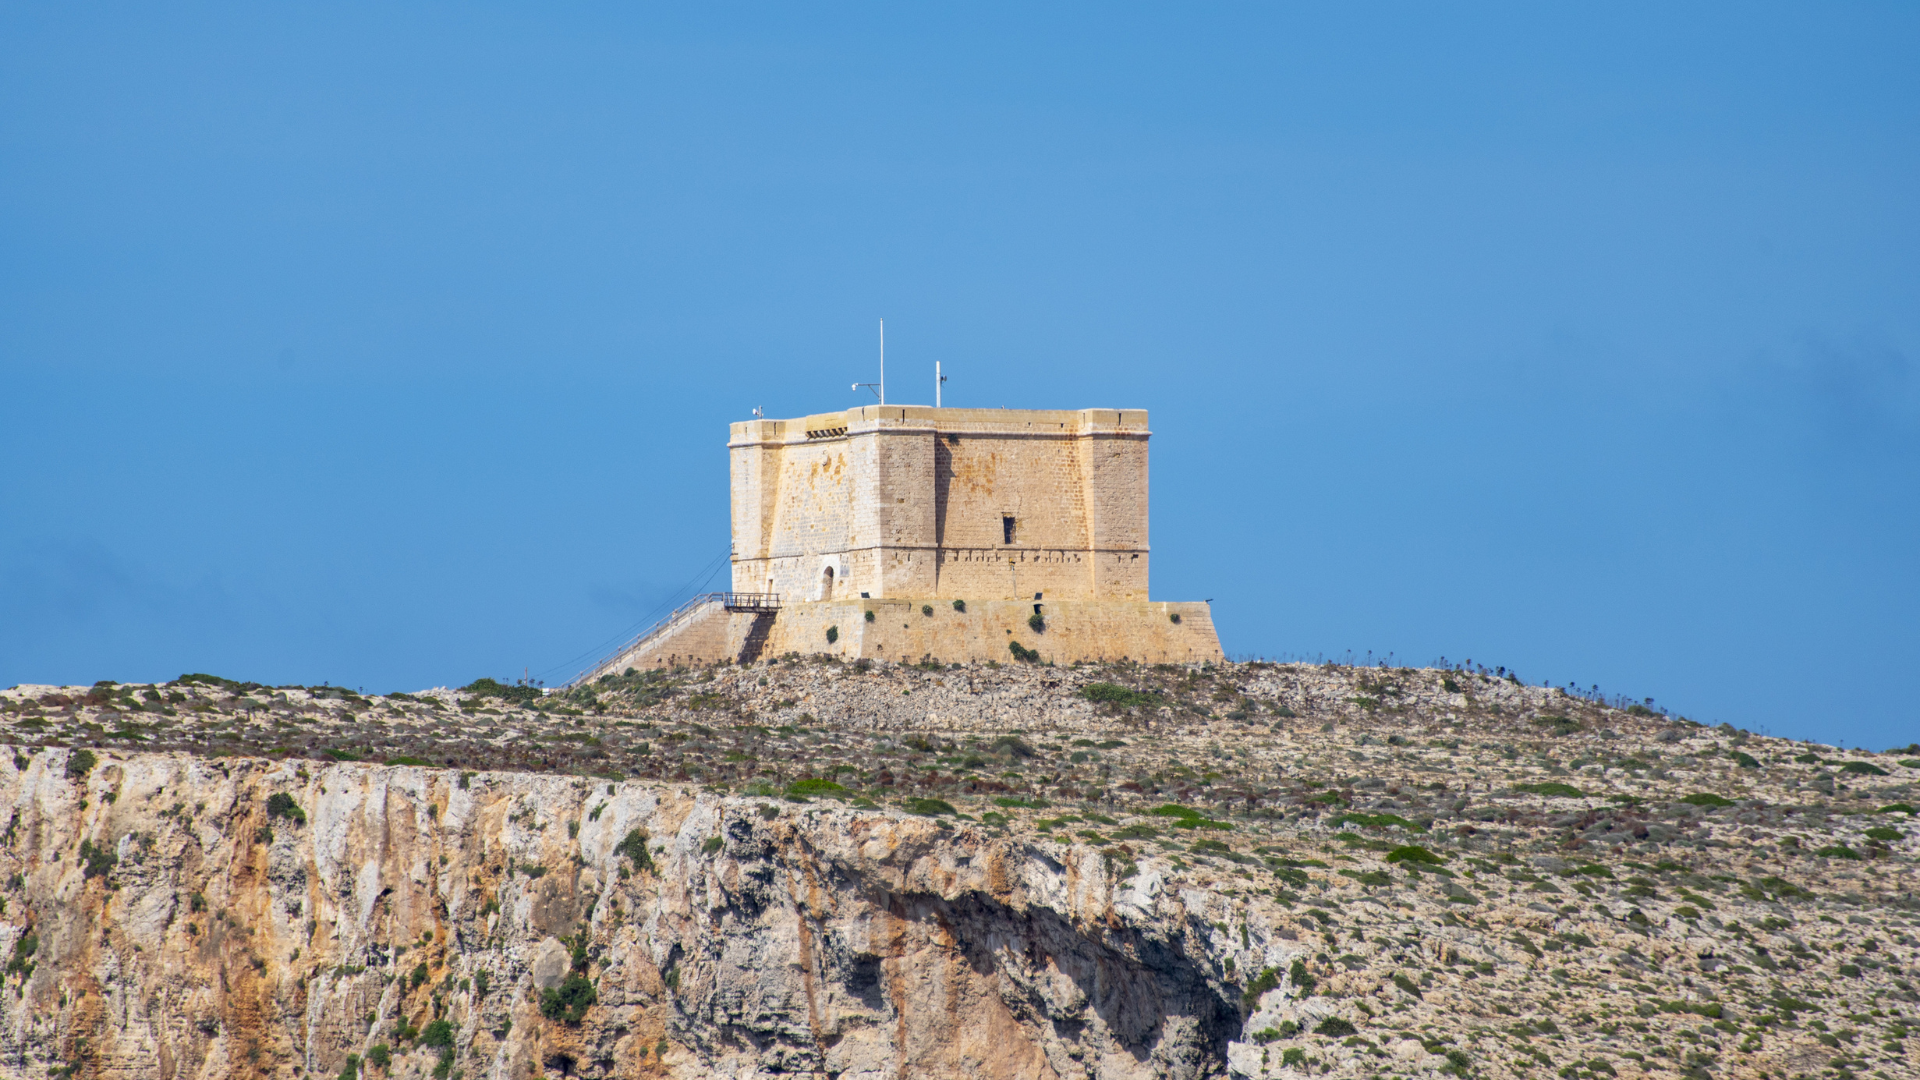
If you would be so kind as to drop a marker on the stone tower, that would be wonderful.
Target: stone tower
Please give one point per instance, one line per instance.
(905, 533)
(901, 501)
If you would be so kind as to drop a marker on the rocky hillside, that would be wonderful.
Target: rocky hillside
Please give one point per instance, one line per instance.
(836, 870)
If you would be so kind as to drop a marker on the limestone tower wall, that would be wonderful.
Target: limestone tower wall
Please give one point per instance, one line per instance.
(907, 502)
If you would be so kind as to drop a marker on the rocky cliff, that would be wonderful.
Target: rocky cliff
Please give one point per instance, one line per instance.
(174, 917)
(822, 869)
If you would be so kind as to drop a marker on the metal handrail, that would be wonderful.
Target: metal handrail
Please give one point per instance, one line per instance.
(749, 601)
(732, 601)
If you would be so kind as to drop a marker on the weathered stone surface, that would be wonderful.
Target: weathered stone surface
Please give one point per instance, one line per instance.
(1252, 869)
(853, 943)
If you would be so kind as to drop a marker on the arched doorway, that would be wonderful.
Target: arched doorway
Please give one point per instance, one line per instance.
(826, 583)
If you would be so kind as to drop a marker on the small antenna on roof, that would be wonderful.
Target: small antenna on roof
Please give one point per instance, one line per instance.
(879, 388)
(937, 380)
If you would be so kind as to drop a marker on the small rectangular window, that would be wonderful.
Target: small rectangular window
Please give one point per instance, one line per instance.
(1006, 527)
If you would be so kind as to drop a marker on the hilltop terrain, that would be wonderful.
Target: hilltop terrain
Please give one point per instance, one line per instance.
(878, 870)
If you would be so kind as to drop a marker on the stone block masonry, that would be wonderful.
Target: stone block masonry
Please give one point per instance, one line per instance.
(908, 631)
(910, 502)
(899, 510)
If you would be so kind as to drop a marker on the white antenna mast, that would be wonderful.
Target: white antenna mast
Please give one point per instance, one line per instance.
(937, 380)
(883, 361)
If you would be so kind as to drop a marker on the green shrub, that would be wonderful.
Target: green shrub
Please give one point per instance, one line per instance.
(1837, 851)
(711, 845)
(437, 1034)
(281, 805)
(568, 1003)
(1011, 745)
(408, 759)
(1187, 818)
(1173, 617)
(1557, 725)
(1886, 833)
(80, 763)
(1709, 1009)
(833, 634)
(1746, 761)
(99, 861)
(1259, 985)
(23, 949)
(1400, 980)
(1375, 821)
(1861, 768)
(380, 1056)
(419, 976)
(1104, 693)
(351, 1070)
(1414, 853)
(202, 679)
(512, 695)
(929, 807)
(809, 788)
(1706, 798)
(481, 980)
(1022, 653)
(960, 606)
(1335, 1028)
(1293, 1056)
(869, 615)
(1552, 787)
(1037, 623)
(1302, 978)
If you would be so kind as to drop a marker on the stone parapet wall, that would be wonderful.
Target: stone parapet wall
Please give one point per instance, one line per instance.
(903, 632)
(1075, 630)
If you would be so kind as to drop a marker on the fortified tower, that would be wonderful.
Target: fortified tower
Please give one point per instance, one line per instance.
(901, 501)
(905, 533)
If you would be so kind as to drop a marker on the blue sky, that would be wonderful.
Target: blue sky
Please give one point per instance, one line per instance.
(394, 345)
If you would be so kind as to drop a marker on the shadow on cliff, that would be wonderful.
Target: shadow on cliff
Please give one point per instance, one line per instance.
(914, 982)
(1150, 997)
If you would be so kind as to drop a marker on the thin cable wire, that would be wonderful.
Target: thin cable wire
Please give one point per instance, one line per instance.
(704, 575)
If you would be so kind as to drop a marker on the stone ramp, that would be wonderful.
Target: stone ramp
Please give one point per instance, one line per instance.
(696, 632)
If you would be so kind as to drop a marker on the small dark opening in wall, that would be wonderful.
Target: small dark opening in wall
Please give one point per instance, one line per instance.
(1036, 596)
(1006, 528)
(1036, 609)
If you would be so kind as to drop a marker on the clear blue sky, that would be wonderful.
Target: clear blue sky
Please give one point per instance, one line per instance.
(394, 345)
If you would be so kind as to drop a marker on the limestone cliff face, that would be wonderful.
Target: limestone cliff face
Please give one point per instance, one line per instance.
(163, 922)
